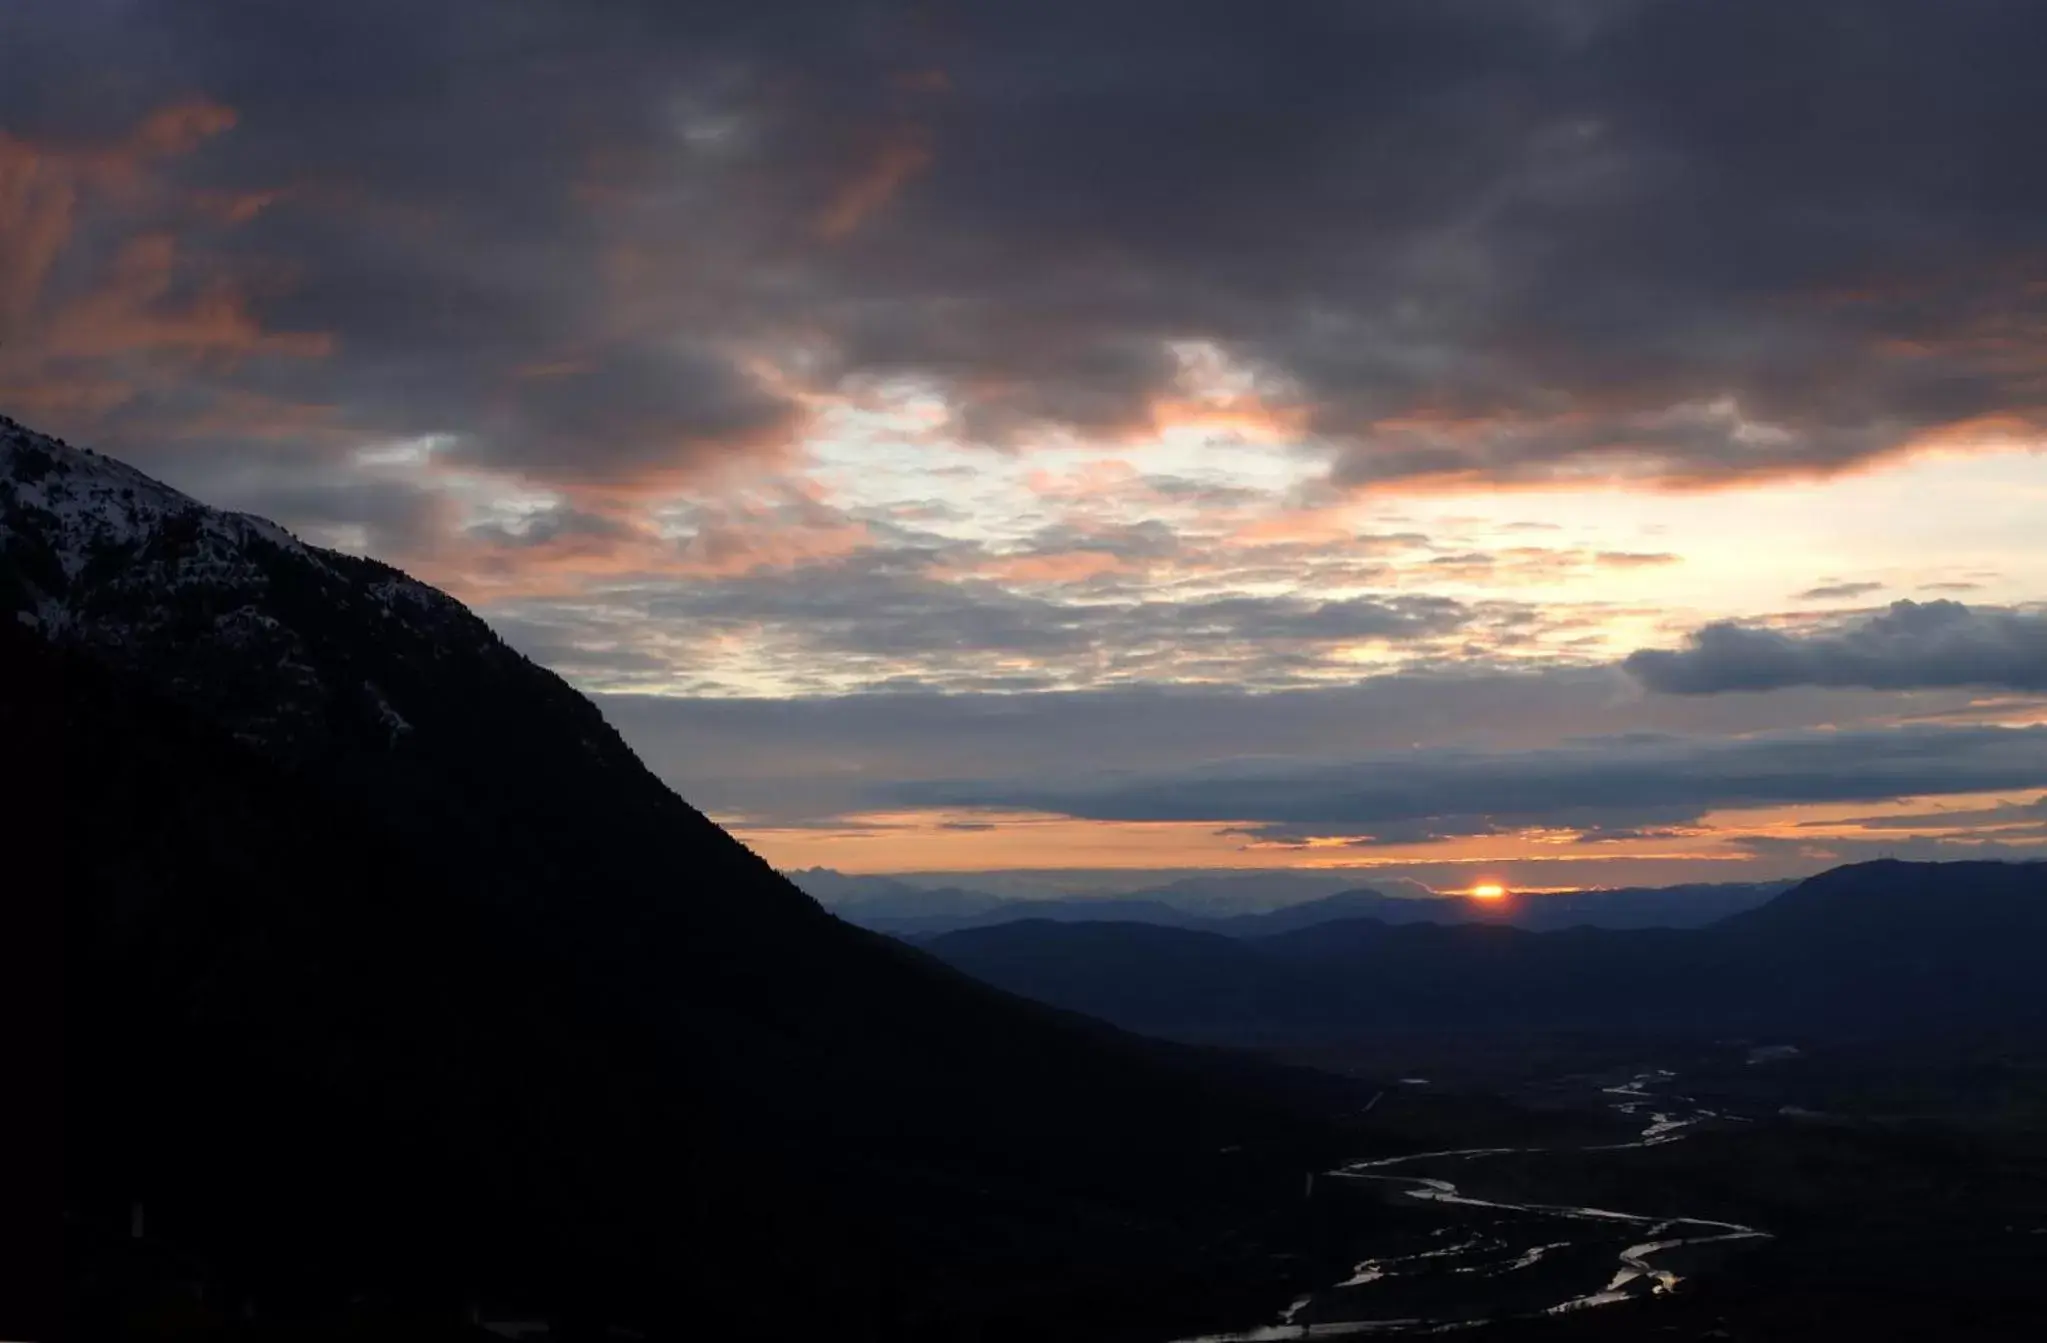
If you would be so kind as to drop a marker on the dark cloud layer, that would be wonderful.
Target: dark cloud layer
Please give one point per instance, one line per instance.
(788, 759)
(1908, 645)
(1609, 783)
(1441, 237)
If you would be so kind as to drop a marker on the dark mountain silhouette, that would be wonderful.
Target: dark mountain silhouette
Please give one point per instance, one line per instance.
(1902, 946)
(1359, 904)
(1687, 906)
(873, 902)
(1691, 905)
(1873, 949)
(1077, 909)
(908, 912)
(391, 972)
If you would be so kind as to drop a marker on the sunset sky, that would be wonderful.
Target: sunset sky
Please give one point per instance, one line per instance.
(1576, 443)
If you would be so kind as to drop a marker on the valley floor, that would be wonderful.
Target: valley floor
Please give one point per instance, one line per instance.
(1643, 1189)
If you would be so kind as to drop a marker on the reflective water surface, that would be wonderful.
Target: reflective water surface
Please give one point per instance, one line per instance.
(1521, 1252)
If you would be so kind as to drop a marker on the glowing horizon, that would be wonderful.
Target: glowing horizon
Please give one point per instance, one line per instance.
(1002, 477)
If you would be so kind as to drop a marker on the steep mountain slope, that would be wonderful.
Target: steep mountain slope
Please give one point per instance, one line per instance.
(391, 970)
(346, 667)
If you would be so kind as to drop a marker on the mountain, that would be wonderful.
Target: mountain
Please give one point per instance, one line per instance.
(1686, 906)
(1692, 905)
(1358, 904)
(871, 901)
(1920, 947)
(392, 976)
(1873, 949)
(1173, 982)
(1891, 903)
(916, 913)
(1079, 909)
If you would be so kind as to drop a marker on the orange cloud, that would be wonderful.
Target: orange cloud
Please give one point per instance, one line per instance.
(180, 128)
(480, 571)
(37, 203)
(901, 157)
(1072, 566)
(2002, 432)
(966, 841)
(42, 187)
(1310, 525)
(731, 538)
(128, 312)
(145, 309)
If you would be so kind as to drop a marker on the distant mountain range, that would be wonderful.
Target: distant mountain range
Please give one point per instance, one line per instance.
(1209, 892)
(915, 913)
(390, 972)
(1873, 949)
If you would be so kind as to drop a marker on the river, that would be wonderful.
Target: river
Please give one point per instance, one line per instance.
(1510, 1259)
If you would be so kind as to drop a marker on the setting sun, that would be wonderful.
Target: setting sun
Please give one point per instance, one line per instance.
(1489, 891)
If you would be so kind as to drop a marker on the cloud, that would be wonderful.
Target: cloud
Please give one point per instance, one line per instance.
(1431, 242)
(1908, 645)
(830, 754)
(113, 285)
(1597, 784)
(904, 612)
(1815, 850)
(2003, 816)
(894, 163)
(382, 516)
(632, 417)
(1839, 591)
(45, 186)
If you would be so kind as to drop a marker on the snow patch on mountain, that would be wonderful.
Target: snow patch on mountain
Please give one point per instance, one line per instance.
(96, 555)
(90, 504)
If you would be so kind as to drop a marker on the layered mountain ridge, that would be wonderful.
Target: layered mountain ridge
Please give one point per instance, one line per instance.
(917, 915)
(1882, 949)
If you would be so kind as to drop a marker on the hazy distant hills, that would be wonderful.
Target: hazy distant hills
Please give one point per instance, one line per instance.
(1871, 949)
(388, 968)
(903, 910)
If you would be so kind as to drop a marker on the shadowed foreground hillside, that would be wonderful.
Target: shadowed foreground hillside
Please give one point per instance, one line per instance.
(393, 978)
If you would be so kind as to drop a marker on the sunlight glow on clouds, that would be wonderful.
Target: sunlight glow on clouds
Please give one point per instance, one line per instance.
(822, 369)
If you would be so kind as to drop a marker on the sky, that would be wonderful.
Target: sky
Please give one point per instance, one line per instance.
(1574, 443)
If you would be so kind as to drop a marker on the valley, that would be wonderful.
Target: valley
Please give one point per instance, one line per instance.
(449, 1014)
(1719, 1201)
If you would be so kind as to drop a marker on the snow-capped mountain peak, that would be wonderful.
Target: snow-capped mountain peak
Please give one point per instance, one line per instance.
(96, 555)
